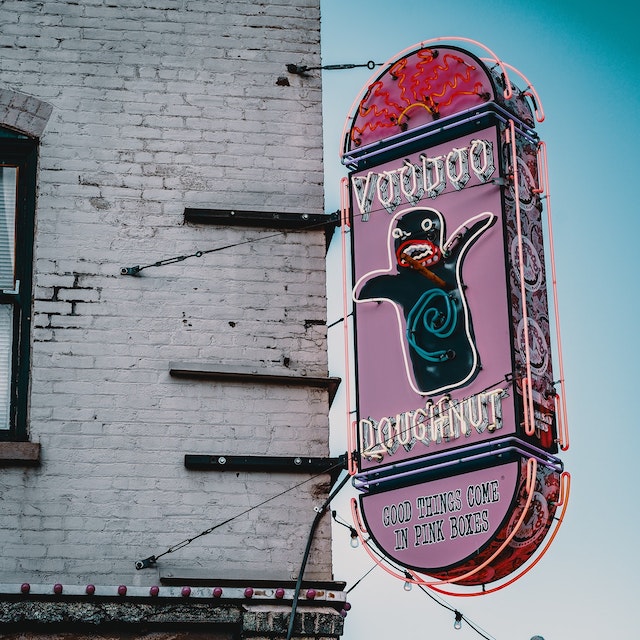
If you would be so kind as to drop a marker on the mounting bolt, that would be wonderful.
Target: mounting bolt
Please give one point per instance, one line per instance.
(130, 271)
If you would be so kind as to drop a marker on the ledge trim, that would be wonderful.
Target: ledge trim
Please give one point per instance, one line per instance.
(209, 371)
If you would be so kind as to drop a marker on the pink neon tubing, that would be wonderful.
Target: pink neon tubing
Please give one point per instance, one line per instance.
(539, 111)
(564, 436)
(344, 223)
(420, 45)
(532, 466)
(565, 480)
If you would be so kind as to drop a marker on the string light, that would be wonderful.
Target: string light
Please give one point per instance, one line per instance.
(355, 540)
(408, 585)
(457, 623)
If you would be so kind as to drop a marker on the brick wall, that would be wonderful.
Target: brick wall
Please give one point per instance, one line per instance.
(149, 107)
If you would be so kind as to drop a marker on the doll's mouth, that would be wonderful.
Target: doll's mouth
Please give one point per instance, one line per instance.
(421, 255)
(423, 251)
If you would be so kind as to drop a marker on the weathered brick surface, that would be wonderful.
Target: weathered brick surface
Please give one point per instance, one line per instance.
(23, 620)
(121, 634)
(143, 108)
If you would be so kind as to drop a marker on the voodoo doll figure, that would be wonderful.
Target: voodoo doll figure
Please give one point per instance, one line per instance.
(424, 281)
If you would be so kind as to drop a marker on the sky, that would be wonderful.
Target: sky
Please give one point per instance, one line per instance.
(583, 59)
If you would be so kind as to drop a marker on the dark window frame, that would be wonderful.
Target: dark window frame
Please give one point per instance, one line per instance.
(21, 151)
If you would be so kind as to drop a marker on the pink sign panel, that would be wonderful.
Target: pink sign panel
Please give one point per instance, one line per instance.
(433, 338)
(447, 528)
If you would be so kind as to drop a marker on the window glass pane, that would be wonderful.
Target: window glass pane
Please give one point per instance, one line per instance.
(6, 348)
(8, 177)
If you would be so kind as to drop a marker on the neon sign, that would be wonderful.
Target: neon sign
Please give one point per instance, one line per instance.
(458, 418)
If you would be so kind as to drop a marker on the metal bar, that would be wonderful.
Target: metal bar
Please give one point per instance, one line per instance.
(272, 464)
(460, 459)
(263, 219)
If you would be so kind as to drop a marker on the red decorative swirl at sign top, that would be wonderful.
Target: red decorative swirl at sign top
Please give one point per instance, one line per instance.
(424, 86)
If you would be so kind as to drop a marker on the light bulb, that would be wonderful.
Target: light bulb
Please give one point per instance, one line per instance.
(457, 623)
(354, 542)
(408, 586)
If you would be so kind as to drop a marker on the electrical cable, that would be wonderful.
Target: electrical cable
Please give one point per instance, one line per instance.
(338, 321)
(357, 582)
(459, 616)
(319, 513)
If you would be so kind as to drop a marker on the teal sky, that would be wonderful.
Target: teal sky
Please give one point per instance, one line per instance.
(583, 58)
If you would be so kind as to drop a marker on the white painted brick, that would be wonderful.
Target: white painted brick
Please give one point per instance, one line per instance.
(144, 109)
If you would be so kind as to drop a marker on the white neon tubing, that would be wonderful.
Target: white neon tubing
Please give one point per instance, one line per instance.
(539, 111)
(564, 445)
(410, 196)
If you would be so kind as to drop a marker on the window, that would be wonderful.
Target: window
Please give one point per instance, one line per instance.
(18, 155)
